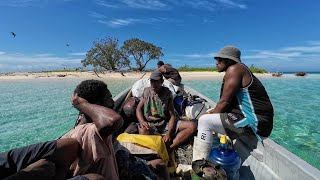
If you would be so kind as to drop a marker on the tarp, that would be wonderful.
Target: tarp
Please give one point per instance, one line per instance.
(138, 87)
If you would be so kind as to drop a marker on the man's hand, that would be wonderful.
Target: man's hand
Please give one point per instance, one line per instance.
(167, 139)
(209, 111)
(143, 130)
(77, 100)
(145, 125)
(151, 118)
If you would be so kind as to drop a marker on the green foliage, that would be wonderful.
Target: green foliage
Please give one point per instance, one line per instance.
(254, 69)
(105, 54)
(186, 68)
(141, 51)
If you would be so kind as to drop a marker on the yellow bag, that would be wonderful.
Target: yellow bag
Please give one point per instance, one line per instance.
(153, 142)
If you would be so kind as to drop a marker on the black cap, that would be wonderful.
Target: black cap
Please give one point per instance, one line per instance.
(156, 75)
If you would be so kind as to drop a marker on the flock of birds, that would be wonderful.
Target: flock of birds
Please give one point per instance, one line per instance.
(14, 35)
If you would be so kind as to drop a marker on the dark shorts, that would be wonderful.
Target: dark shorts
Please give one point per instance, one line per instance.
(79, 177)
(228, 120)
(133, 128)
(17, 159)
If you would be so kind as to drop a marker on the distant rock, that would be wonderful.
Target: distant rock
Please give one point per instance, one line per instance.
(300, 73)
(277, 74)
(61, 75)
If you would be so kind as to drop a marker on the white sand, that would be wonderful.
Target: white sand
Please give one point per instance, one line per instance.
(112, 75)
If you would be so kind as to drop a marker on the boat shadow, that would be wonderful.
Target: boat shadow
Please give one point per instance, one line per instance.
(246, 146)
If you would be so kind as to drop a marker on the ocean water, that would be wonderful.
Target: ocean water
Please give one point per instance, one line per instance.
(37, 110)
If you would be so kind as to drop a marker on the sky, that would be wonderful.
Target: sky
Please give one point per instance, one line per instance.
(276, 35)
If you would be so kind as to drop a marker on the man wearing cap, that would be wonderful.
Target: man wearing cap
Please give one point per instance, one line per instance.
(170, 73)
(244, 106)
(155, 113)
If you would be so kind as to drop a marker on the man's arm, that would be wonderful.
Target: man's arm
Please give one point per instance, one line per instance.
(232, 83)
(106, 120)
(172, 120)
(140, 116)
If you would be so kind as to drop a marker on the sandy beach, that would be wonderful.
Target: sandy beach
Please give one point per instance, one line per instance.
(112, 75)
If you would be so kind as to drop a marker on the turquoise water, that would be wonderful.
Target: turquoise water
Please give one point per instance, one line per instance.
(38, 110)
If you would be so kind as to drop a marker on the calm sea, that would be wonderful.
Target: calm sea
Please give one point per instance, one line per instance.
(37, 110)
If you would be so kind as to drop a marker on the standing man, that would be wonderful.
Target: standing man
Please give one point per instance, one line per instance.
(244, 105)
(170, 73)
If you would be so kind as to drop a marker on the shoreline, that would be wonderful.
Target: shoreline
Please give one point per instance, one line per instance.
(110, 75)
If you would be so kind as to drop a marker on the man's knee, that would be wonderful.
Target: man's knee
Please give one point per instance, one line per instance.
(157, 163)
(67, 150)
(203, 121)
(192, 127)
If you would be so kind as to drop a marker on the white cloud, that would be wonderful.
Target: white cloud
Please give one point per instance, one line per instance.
(115, 23)
(272, 55)
(78, 54)
(145, 4)
(96, 15)
(122, 22)
(210, 5)
(105, 4)
(18, 62)
(19, 3)
(43, 55)
(209, 55)
(285, 53)
(304, 49)
(232, 4)
(291, 58)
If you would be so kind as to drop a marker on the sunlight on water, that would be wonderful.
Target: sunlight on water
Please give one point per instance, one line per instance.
(38, 110)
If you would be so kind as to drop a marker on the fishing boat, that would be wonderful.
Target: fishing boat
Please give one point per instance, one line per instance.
(259, 161)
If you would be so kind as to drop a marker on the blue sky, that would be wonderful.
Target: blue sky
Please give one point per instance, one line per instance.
(277, 35)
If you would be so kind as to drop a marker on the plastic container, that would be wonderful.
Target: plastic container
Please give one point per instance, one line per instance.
(215, 140)
(195, 110)
(227, 157)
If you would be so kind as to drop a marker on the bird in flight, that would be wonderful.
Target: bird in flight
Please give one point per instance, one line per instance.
(13, 34)
(67, 45)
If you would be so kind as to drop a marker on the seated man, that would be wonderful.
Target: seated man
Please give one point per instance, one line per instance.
(47, 160)
(155, 113)
(94, 127)
(244, 107)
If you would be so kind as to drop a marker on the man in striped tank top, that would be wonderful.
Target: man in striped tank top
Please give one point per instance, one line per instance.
(244, 106)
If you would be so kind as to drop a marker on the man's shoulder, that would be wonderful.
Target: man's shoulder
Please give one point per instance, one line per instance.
(237, 69)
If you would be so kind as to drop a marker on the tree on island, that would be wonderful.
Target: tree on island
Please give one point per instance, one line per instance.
(257, 70)
(141, 51)
(105, 54)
